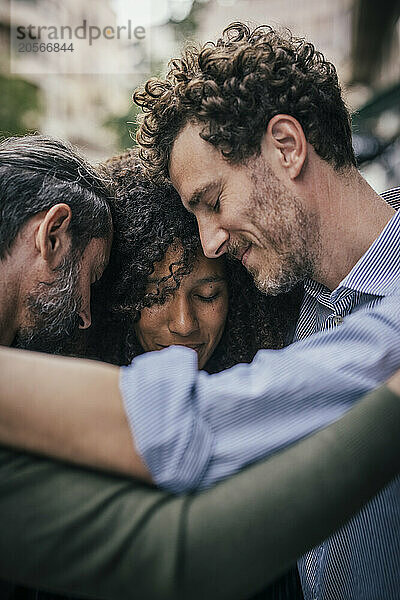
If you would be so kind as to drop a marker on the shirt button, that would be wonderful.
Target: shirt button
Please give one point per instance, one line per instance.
(338, 320)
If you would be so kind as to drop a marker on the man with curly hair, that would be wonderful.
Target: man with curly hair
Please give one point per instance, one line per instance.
(254, 134)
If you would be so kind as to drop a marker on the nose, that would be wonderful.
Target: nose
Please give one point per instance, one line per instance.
(85, 316)
(85, 319)
(182, 317)
(213, 238)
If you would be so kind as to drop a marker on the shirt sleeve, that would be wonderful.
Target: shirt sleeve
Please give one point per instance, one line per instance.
(194, 429)
(88, 534)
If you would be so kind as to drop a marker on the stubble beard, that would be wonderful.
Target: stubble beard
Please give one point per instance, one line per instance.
(53, 313)
(288, 234)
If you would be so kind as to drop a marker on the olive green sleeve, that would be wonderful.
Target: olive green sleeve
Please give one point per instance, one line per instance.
(96, 535)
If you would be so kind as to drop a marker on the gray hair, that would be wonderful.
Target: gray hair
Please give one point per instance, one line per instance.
(38, 172)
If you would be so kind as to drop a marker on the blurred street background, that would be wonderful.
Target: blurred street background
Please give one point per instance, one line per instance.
(85, 96)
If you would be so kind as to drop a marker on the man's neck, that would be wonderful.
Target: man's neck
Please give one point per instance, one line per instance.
(352, 216)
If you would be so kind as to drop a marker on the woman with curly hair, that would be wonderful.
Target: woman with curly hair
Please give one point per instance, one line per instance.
(159, 289)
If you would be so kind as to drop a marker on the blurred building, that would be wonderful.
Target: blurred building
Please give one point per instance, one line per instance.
(362, 39)
(77, 99)
(376, 72)
(325, 23)
(359, 36)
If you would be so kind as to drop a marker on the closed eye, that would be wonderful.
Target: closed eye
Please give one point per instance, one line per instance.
(217, 205)
(208, 298)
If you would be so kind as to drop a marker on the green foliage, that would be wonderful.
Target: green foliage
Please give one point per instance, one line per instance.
(186, 29)
(125, 127)
(19, 106)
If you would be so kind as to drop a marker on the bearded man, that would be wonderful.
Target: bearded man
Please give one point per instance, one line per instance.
(55, 237)
(255, 136)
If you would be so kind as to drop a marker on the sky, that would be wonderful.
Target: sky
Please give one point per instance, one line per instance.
(151, 12)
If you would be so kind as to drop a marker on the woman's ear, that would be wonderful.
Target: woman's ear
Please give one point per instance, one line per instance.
(52, 238)
(286, 137)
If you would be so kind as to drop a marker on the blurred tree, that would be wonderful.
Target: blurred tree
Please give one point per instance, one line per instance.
(185, 30)
(125, 127)
(19, 107)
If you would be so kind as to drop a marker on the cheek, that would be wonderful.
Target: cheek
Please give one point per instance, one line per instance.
(149, 325)
(213, 317)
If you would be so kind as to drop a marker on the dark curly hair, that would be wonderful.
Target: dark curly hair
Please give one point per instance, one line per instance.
(148, 219)
(234, 87)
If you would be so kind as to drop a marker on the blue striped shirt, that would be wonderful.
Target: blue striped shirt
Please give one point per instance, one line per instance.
(194, 429)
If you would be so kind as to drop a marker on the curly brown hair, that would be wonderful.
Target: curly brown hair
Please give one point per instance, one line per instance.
(148, 219)
(234, 87)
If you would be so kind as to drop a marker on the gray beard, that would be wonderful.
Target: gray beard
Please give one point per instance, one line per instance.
(290, 274)
(293, 235)
(53, 310)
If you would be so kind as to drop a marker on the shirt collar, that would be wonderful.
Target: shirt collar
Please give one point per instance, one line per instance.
(377, 270)
(318, 291)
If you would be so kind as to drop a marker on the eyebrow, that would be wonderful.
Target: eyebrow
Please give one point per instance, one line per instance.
(211, 279)
(200, 192)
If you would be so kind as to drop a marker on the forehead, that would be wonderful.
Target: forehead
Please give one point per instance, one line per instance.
(203, 267)
(194, 163)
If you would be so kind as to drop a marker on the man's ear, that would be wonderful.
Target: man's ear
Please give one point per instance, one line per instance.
(287, 138)
(52, 239)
